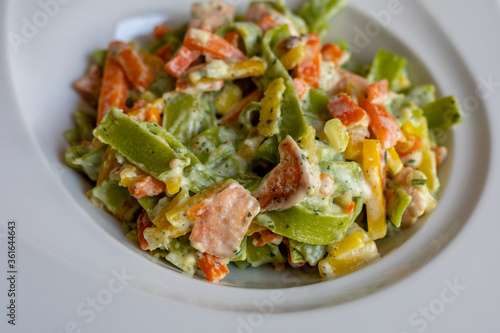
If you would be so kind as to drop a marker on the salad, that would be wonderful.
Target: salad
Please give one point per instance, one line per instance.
(248, 140)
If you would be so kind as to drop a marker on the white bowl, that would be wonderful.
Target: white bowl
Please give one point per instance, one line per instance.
(56, 53)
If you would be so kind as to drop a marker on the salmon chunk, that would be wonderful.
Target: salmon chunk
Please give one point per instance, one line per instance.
(89, 85)
(222, 220)
(211, 14)
(289, 182)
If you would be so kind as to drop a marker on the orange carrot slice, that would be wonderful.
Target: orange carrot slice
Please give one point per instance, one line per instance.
(267, 23)
(300, 87)
(114, 88)
(181, 61)
(211, 45)
(309, 68)
(161, 30)
(214, 268)
(383, 125)
(332, 52)
(146, 186)
(342, 107)
(378, 92)
(232, 37)
(136, 70)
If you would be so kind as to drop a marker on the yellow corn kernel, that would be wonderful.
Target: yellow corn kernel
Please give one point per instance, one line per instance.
(393, 161)
(428, 167)
(348, 243)
(354, 151)
(271, 108)
(338, 137)
(129, 175)
(227, 98)
(333, 266)
(375, 206)
(173, 184)
(309, 143)
(293, 57)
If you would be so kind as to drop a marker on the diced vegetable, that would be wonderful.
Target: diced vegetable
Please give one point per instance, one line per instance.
(271, 108)
(114, 88)
(342, 107)
(316, 13)
(383, 125)
(397, 202)
(388, 66)
(375, 207)
(293, 122)
(133, 65)
(143, 222)
(337, 135)
(309, 68)
(213, 268)
(146, 186)
(137, 143)
(181, 61)
(211, 45)
(443, 113)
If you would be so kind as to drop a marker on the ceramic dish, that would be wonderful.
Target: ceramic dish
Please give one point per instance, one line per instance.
(77, 251)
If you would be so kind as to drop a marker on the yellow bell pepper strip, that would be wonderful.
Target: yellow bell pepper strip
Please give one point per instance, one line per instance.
(337, 135)
(347, 243)
(393, 161)
(333, 266)
(375, 211)
(224, 70)
(443, 113)
(293, 57)
(230, 95)
(292, 122)
(428, 166)
(271, 108)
